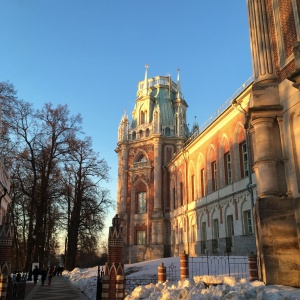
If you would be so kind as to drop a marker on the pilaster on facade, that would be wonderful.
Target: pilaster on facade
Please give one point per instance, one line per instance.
(295, 76)
(262, 52)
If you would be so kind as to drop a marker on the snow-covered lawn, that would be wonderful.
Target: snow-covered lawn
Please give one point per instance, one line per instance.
(194, 288)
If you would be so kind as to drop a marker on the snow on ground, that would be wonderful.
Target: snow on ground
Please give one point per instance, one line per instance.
(194, 288)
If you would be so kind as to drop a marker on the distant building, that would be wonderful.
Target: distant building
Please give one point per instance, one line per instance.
(199, 191)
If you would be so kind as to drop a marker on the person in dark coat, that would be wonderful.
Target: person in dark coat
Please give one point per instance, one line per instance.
(50, 275)
(44, 275)
(36, 273)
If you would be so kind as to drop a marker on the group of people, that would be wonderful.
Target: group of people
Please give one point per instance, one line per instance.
(44, 273)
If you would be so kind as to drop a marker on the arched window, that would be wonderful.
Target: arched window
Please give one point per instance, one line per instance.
(142, 203)
(141, 134)
(134, 135)
(147, 132)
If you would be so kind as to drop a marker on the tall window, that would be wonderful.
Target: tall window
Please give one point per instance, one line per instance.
(230, 227)
(216, 229)
(141, 237)
(244, 160)
(203, 237)
(181, 193)
(174, 198)
(227, 165)
(202, 182)
(194, 233)
(214, 175)
(215, 241)
(181, 236)
(248, 222)
(193, 187)
(142, 203)
(143, 117)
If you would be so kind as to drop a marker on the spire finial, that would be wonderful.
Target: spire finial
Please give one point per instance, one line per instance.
(146, 80)
(178, 84)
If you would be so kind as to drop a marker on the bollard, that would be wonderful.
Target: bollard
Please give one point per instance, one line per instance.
(253, 271)
(161, 273)
(3, 286)
(184, 266)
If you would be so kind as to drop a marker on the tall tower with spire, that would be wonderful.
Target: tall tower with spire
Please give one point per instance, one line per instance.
(157, 130)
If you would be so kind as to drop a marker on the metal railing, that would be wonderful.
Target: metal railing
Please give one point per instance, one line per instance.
(226, 265)
(16, 286)
(132, 283)
(219, 111)
(211, 265)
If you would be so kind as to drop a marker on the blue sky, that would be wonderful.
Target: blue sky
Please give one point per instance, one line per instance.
(90, 54)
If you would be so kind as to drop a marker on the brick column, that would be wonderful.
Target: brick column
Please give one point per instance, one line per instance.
(114, 278)
(6, 237)
(3, 286)
(253, 270)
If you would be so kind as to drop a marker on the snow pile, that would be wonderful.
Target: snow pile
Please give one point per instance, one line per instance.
(194, 288)
(85, 280)
(228, 288)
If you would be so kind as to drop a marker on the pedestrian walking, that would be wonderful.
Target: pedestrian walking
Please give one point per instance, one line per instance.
(44, 276)
(50, 275)
(36, 273)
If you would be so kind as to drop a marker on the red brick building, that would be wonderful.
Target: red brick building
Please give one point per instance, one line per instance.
(232, 184)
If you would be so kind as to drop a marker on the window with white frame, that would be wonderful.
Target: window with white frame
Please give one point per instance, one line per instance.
(244, 160)
(227, 165)
(248, 222)
(214, 175)
(142, 203)
(141, 237)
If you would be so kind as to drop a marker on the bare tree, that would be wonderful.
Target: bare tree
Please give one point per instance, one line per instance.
(55, 180)
(87, 203)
